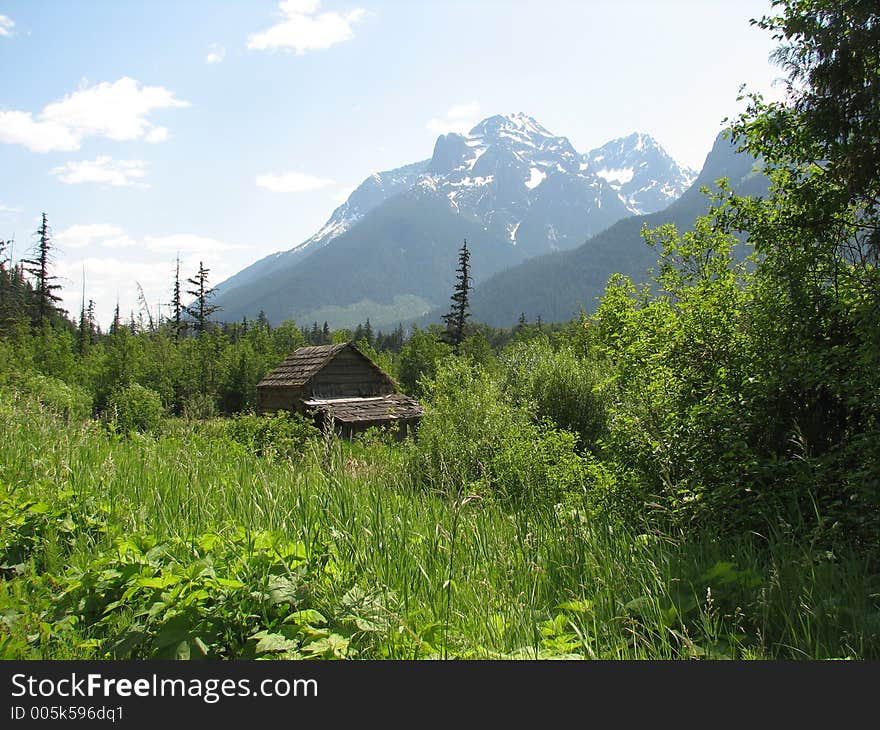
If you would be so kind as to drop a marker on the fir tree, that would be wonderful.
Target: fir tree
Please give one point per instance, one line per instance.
(13, 290)
(176, 304)
(456, 320)
(201, 309)
(38, 268)
(115, 324)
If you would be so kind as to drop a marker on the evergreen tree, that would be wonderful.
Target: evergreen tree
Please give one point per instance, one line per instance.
(325, 334)
(456, 320)
(201, 309)
(92, 330)
(176, 303)
(115, 324)
(38, 268)
(13, 290)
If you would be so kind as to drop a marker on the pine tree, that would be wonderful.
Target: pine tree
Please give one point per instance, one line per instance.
(38, 268)
(456, 320)
(12, 289)
(115, 324)
(83, 336)
(176, 304)
(201, 309)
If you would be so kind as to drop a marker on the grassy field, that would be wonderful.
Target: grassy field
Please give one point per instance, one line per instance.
(186, 545)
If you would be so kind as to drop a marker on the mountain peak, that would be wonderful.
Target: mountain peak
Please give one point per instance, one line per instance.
(516, 123)
(509, 186)
(634, 165)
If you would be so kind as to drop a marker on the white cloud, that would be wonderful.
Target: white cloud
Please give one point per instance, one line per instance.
(157, 134)
(148, 261)
(216, 54)
(291, 182)
(115, 110)
(101, 170)
(109, 279)
(187, 243)
(459, 119)
(104, 235)
(38, 136)
(6, 26)
(305, 29)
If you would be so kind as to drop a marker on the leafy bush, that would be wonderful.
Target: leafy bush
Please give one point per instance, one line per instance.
(233, 596)
(280, 434)
(419, 360)
(70, 401)
(134, 408)
(473, 440)
(562, 387)
(31, 527)
(199, 407)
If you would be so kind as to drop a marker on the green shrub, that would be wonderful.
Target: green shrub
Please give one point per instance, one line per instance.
(134, 408)
(70, 401)
(474, 440)
(280, 434)
(199, 407)
(560, 386)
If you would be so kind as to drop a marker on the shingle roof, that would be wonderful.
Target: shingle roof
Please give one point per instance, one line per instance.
(301, 365)
(380, 408)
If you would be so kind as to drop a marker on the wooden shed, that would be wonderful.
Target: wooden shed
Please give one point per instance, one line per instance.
(338, 383)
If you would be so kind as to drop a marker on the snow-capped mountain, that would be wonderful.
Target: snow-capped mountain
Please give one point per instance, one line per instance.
(522, 183)
(526, 184)
(373, 191)
(644, 176)
(511, 187)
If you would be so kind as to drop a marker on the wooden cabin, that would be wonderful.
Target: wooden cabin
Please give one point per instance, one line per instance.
(338, 384)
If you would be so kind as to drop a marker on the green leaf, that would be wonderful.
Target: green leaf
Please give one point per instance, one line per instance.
(309, 617)
(282, 590)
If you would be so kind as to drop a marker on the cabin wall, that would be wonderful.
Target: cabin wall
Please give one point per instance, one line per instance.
(279, 398)
(348, 375)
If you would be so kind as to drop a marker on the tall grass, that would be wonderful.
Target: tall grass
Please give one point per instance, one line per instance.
(406, 573)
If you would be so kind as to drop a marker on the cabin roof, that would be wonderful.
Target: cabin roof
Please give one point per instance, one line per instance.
(377, 408)
(304, 363)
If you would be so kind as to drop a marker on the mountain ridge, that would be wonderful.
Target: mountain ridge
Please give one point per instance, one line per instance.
(518, 190)
(556, 286)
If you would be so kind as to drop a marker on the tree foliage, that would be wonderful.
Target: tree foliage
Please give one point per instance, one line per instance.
(39, 267)
(456, 319)
(201, 309)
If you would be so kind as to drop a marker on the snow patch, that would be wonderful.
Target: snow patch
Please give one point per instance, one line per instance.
(479, 154)
(333, 229)
(621, 176)
(513, 229)
(536, 177)
(472, 182)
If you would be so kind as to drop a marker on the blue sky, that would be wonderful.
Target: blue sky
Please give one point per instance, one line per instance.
(229, 129)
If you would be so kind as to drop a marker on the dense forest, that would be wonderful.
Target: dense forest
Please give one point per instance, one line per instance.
(692, 470)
